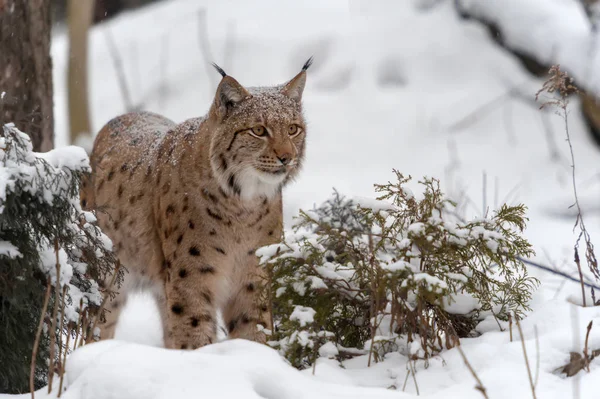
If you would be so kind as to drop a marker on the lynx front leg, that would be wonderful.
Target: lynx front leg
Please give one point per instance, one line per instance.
(190, 312)
(245, 311)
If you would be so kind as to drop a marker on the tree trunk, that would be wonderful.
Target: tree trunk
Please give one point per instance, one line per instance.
(26, 69)
(80, 13)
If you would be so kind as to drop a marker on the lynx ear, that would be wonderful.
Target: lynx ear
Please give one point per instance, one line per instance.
(294, 88)
(229, 93)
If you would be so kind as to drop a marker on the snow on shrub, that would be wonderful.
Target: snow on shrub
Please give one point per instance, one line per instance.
(45, 240)
(393, 274)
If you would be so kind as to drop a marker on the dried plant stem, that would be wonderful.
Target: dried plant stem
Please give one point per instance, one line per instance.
(578, 263)
(510, 325)
(579, 219)
(408, 371)
(38, 334)
(579, 215)
(413, 371)
(526, 359)
(560, 83)
(97, 316)
(64, 362)
(479, 385)
(270, 297)
(373, 301)
(54, 320)
(585, 348)
(62, 326)
(79, 326)
(84, 328)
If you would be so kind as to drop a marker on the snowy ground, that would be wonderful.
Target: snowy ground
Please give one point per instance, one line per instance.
(393, 86)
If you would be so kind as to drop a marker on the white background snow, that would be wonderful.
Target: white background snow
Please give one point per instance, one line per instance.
(393, 85)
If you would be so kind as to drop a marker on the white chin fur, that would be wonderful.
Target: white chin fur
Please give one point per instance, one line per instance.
(255, 184)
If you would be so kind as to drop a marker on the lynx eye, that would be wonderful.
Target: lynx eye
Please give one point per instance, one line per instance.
(294, 130)
(259, 131)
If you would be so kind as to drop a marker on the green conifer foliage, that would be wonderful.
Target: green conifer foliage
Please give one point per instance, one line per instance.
(400, 273)
(41, 221)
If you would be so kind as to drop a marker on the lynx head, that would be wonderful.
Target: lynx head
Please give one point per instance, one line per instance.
(258, 135)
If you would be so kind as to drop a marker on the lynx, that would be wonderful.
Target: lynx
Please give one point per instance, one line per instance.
(187, 205)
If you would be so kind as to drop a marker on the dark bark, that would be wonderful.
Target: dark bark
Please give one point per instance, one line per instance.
(26, 69)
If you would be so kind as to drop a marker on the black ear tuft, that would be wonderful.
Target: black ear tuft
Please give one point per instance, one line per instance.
(222, 72)
(307, 64)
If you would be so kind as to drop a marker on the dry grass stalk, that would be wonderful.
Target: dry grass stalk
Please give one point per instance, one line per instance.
(578, 263)
(54, 320)
(84, 328)
(561, 86)
(64, 361)
(585, 348)
(107, 293)
(526, 358)
(38, 334)
(78, 326)
(479, 385)
(578, 361)
(373, 303)
(59, 365)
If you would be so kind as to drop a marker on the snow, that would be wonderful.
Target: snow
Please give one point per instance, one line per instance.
(303, 315)
(359, 128)
(235, 368)
(229, 369)
(71, 157)
(9, 250)
(552, 31)
(461, 304)
(373, 204)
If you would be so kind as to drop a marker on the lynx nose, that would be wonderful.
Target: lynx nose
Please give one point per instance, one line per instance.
(285, 158)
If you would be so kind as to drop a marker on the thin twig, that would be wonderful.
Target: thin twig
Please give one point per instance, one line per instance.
(62, 326)
(53, 322)
(84, 328)
(119, 69)
(510, 324)
(104, 299)
(525, 355)
(578, 263)
(79, 326)
(373, 304)
(479, 385)
(408, 371)
(414, 375)
(585, 348)
(38, 334)
(64, 361)
(554, 271)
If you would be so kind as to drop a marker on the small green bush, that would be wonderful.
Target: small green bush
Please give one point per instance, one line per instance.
(42, 224)
(400, 272)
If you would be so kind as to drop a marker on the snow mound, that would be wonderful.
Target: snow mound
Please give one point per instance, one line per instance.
(231, 369)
